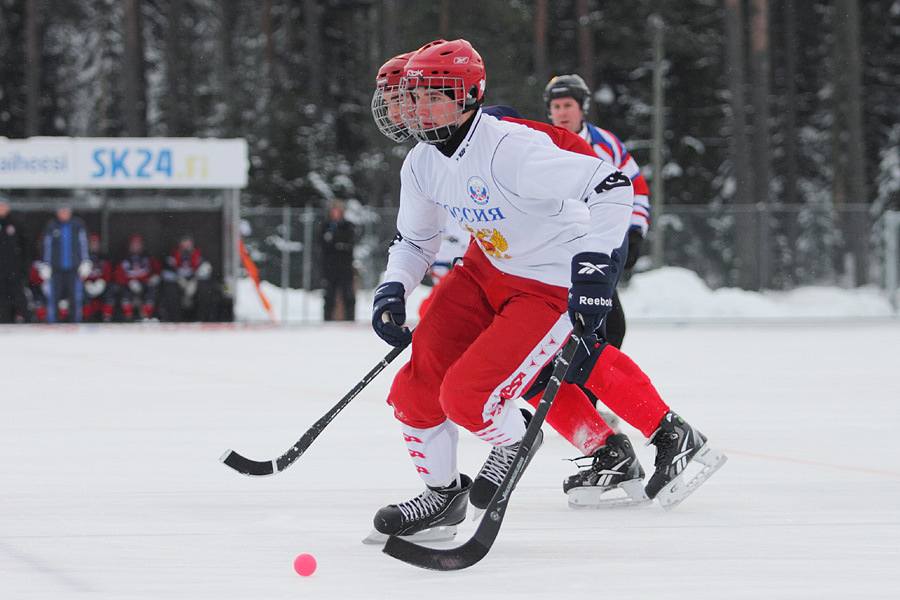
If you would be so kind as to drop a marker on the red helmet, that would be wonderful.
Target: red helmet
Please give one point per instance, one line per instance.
(457, 71)
(390, 72)
(386, 99)
(439, 60)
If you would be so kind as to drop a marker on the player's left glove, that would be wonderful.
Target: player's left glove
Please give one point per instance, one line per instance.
(635, 241)
(389, 314)
(590, 296)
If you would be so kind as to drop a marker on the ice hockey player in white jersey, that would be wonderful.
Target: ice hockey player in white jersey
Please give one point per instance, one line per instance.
(550, 228)
(614, 477)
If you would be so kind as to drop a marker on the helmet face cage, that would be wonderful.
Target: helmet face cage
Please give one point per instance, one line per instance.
(432, 106)
(387, 111)
(386, 99)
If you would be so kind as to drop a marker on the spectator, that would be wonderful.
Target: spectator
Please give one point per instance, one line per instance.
(187, 293)
(98, 295)
(137, 281)
(338, 237)
(14, 263)
(65, 265)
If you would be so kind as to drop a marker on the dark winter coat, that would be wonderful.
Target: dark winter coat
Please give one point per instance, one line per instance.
(337, 239)
(15, 256)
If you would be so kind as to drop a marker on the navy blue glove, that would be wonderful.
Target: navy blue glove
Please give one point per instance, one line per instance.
(593, 284)
(389, 314)
(635, 241)
(585, 358)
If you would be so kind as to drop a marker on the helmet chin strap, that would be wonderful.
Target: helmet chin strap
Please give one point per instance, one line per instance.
(460, 130)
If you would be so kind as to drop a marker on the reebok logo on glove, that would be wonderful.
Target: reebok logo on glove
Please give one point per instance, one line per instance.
(589, 301)
(591, 269)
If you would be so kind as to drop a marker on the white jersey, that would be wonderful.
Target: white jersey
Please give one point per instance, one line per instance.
(530, 205)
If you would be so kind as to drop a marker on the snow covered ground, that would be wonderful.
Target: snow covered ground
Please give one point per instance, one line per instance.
(110, 485)
(669, 294)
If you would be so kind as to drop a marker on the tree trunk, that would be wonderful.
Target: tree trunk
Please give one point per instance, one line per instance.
(541, 66)
(270, 39)
(313, 55)
(228, 80)
(759, 83)
(657, 190)
(177, 93)
(791, 164)
(586, 47)
(444, 19)
(135, 92)
(850, 178)
(745, 238)
(32, 68)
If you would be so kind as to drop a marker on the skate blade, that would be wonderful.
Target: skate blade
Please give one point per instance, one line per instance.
(476, 513)
(675, 492)
(444, 533)
(603, 497)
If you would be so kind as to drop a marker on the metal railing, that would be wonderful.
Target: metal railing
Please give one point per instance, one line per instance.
(789, 246)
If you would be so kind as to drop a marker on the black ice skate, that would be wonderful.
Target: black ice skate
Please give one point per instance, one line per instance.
(431, 516)
(614, 467)
(494, 470)
(677, 446)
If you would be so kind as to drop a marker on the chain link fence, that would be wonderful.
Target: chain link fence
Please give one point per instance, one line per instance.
(753, 247)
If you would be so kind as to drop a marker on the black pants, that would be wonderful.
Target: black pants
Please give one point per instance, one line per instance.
(343, 288)
(12, 299)
(176, 307)
(615, 322)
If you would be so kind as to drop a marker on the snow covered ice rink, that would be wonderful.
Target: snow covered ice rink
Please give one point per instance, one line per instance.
(111, 485)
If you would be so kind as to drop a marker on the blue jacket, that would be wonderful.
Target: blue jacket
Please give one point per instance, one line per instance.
(65, 244)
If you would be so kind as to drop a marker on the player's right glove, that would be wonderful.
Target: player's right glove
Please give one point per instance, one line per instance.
(389, 314)
(590, 298)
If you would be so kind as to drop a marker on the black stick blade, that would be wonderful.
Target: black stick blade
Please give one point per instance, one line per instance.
(452, 559)
(245, 466)
(255, 468)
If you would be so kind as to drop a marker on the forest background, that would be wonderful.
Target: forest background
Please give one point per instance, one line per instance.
(762, 127)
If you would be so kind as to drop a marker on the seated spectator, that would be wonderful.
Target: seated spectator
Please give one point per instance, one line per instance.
(98, 296)
(137, 280)
(187, 293)
(37, 292)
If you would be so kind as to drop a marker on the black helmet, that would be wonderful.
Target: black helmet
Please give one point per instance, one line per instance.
(568, 86)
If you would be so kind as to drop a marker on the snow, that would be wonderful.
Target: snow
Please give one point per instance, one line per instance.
(111, 486)
(668, 294)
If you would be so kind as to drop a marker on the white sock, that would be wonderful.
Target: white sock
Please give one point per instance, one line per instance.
(506, 429)
(433, 452)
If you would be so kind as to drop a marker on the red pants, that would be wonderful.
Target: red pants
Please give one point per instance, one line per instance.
(484, 338)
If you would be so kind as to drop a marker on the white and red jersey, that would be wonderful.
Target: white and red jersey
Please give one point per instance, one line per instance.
(612, 150)
(530, 205)
(101, 268)
(139, 267)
